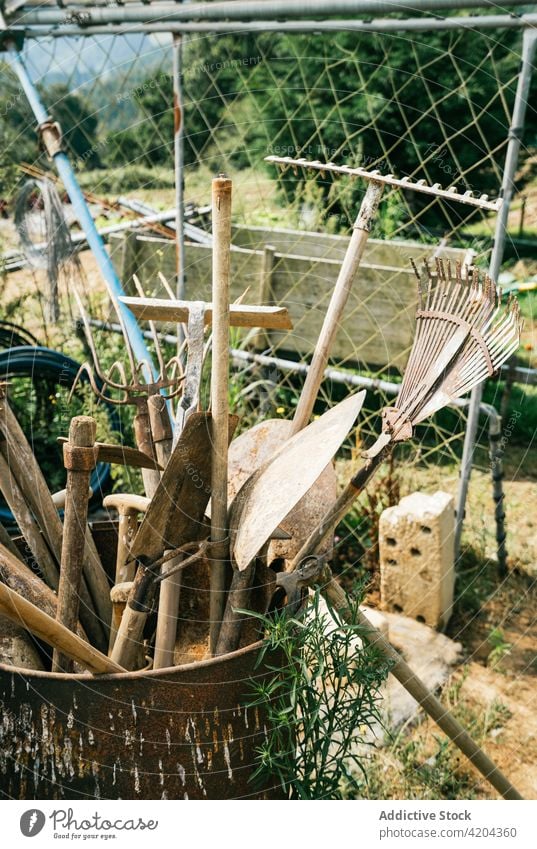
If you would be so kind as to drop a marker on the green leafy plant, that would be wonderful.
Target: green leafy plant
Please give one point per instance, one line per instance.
(320, 702)
(500, 647)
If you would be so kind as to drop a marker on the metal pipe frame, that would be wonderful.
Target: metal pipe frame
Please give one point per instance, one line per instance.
(500, 234)
(62, 28)
(240, 10)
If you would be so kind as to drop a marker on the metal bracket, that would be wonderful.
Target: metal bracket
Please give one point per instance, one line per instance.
(50, 134)
(312, 570)
(398, 426)
(395, 428)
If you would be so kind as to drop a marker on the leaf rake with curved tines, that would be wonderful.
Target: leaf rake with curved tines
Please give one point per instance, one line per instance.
(463, 335)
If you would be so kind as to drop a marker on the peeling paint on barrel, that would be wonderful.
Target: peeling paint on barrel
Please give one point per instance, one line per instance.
(174, 733)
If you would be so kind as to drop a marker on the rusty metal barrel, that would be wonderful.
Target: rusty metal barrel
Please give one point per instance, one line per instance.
(178, 733)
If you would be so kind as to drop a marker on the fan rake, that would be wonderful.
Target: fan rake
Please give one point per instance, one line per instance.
(463, 335)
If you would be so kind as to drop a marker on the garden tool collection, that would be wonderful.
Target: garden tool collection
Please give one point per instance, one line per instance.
(251, 450)
(117, 388)
(238, 510)
(222, 315)
(267, 497)
(174, 518)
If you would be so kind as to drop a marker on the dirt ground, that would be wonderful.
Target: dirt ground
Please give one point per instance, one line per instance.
(494, 694)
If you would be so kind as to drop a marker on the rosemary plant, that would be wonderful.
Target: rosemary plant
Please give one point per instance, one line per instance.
(321, 702)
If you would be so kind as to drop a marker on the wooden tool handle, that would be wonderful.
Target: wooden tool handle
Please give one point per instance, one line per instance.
(338, 302)
(161, 428)
(221, 214)
(417, 689)
(26, 522)
(79, 460)
(168, 612)
(8, 543)
(20, 578)
(129, 643)
(24, 613)
(237, 599)
(339, 509)
(144, 442)
(171, 588)
(35, 493)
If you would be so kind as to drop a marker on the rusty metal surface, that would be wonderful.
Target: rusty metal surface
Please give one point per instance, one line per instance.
(174, 733)
(177, 733)
(287, 478)
(249, 452)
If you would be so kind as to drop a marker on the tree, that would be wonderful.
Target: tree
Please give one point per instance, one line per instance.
(19, 138)
(78, 122)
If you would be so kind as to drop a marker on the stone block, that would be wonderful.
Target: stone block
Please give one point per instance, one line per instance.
(416, 547)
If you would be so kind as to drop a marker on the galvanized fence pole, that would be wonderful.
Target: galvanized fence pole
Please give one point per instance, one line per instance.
(178, 157)
(51, 137)
(500, 234)
(246, 10)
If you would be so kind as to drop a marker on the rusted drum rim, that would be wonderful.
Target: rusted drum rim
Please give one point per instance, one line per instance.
(138, 673)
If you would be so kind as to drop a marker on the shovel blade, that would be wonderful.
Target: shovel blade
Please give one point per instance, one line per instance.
(265, 501)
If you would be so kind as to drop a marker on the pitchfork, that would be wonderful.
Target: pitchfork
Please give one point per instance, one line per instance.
(134, 389)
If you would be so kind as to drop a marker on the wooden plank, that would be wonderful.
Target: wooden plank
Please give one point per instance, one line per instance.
(378, 326)
(262, 339)
(240, 315)
(154, 255)
(330, 246)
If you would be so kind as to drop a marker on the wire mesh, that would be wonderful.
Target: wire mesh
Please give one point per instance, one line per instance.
(435, 106)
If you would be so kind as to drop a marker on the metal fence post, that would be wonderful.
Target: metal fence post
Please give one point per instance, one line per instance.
(178, 156)
(500, 234)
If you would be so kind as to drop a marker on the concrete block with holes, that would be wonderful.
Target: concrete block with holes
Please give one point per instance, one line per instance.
(416, 547)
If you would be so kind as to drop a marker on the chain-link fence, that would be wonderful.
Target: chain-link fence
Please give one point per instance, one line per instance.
(432, 106)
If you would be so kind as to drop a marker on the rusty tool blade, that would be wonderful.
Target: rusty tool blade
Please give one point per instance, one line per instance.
(252, 450)
(279, 486)
(174, 517)
(122, 455)
(177, 509)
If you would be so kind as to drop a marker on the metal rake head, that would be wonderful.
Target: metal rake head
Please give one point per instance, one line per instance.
(463, 335)
(407, 183)
(133, 387)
